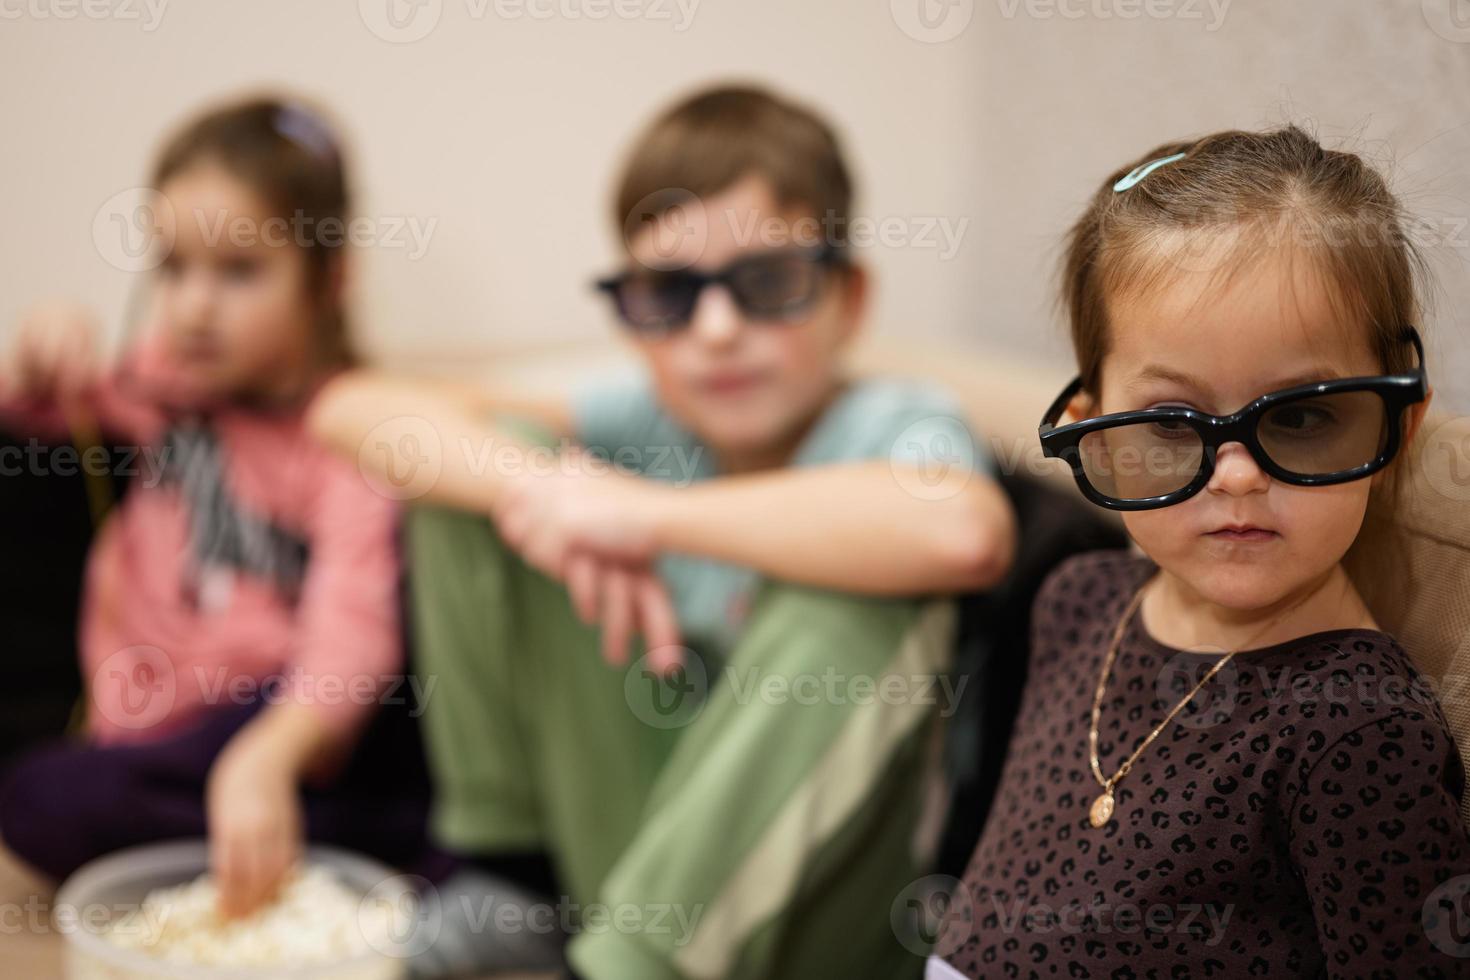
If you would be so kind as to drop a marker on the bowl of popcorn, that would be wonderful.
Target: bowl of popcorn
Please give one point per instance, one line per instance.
(149, 913)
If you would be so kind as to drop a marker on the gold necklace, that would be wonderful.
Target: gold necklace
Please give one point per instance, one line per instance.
(1101, 810)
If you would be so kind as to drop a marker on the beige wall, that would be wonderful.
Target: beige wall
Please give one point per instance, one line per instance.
(501, 129)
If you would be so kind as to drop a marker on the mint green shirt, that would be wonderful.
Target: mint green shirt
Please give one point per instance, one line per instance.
(910, 423)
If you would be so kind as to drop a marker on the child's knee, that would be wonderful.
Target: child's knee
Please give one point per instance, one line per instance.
(797, 628)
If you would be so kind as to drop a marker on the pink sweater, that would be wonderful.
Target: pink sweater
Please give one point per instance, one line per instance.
(243, 551)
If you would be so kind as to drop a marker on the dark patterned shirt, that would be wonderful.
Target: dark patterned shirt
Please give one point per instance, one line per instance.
(1299, 818)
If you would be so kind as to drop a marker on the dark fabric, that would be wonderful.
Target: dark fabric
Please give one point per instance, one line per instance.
(65, 804)
(531, 870)
(994, 637)
(1297, 819)
(45, 530)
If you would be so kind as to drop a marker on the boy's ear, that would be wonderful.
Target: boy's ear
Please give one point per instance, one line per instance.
(338, 278)
(855, 286)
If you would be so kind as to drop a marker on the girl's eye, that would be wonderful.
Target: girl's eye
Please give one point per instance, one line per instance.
(171, 267)
(1300, 419)
(1171, 429)
(239, 269)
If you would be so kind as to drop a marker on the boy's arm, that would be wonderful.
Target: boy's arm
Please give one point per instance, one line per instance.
(865, 527)
(429, 440)
(854, 527)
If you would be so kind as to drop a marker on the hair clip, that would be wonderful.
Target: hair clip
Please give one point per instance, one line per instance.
(299, 125)
(1141, 171)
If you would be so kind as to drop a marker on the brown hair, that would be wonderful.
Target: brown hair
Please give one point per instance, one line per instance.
(1272, 189)
(1258, 191)
(286, 153)
(715, 138)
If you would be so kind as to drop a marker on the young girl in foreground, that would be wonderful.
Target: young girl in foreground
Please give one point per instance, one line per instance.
(240, 621)
(1242, 309)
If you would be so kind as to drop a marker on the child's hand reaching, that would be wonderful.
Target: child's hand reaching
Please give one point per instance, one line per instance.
(254, 815)
(56, 353)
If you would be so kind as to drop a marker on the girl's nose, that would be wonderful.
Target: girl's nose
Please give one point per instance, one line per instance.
(716, 317)
(194, 301)
(1236, 472)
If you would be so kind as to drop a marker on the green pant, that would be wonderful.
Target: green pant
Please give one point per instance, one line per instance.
(751, 817)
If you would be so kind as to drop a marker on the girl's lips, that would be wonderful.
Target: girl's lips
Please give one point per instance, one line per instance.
(1243, 534)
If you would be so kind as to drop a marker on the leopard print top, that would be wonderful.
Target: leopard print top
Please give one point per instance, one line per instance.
(1299, 818)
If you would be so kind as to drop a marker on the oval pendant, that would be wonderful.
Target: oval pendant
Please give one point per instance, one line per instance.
(1102, 809)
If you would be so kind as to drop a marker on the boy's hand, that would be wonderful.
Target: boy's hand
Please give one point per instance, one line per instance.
(55, 353)
(594, 532)
(255, 822)
(625, 600)
(548, 517)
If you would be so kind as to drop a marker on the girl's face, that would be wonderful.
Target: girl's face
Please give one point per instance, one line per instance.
(1246, 540)
(231, 306)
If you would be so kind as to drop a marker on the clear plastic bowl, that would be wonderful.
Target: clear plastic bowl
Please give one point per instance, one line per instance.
(106, 887)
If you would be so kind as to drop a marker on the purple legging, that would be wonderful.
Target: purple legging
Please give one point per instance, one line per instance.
(65, 804)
